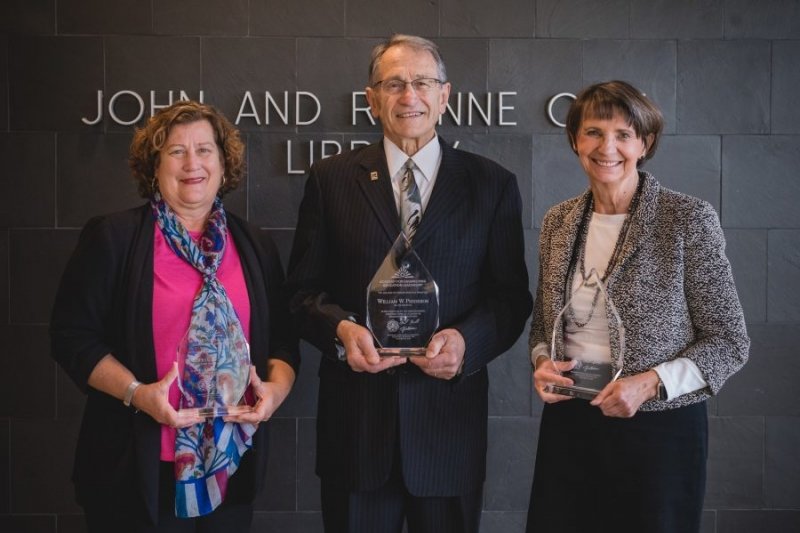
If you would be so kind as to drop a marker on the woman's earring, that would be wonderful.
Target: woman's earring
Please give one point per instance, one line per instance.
(154, 185)
(223, 180)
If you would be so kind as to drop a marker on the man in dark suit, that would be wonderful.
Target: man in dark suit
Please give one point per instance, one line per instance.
(405, 438)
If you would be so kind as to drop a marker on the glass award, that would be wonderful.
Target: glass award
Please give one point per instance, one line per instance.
(211, 388)
(589, 375)
(402, 303)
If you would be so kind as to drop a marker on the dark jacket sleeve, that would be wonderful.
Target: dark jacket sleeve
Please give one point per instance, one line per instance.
(81, 326)
(271, 328)
(316, 314)
(492, 327)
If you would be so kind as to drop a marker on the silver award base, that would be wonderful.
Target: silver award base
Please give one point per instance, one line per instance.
(574, 392)
(401, 352)
(213, 412)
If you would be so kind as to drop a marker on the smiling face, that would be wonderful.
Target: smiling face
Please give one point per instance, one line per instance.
(190, 168)
(608, 150)
(409, 119)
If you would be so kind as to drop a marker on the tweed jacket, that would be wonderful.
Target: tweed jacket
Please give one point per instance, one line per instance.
(672, 286)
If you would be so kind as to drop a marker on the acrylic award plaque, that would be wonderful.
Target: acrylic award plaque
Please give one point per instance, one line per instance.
(589, 377)
(211, 388)
(402, 303)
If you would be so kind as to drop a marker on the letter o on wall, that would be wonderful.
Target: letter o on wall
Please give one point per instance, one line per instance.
(551, 103)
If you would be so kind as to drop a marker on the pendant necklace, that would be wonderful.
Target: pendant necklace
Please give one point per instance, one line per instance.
(612, 262)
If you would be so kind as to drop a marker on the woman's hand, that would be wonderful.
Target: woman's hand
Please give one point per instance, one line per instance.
(269, 396)
(548, 372)
(623, 397)
(153, 399)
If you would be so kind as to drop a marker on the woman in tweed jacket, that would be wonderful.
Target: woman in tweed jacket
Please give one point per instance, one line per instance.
(633, 458)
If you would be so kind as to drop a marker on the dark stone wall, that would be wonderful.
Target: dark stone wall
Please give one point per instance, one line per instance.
(723, 71)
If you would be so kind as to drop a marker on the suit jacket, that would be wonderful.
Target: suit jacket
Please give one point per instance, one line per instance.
(672, 286)
(104, 305)
(471, 240)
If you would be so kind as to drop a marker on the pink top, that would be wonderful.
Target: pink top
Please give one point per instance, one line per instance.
(175, 285)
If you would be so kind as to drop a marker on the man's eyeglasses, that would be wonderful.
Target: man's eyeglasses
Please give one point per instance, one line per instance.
(420, 85)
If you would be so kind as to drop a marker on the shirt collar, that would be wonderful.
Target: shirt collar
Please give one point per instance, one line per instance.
(426, 159)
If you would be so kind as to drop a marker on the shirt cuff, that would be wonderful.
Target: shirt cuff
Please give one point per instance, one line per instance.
(680, 376)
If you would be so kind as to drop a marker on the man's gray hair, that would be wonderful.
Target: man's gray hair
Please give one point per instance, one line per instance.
(411, 41)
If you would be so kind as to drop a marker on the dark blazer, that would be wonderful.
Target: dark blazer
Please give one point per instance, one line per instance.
(471, 240)
(104, 305)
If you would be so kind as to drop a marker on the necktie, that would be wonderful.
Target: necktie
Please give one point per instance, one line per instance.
(410, 201)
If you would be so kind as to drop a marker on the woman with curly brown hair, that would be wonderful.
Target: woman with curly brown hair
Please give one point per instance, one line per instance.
(171, 318)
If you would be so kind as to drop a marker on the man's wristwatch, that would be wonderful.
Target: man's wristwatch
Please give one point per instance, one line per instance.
(341, 353)
(661, 390)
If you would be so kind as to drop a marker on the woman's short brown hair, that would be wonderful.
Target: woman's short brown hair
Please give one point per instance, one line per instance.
(603, 100)
(145, 150)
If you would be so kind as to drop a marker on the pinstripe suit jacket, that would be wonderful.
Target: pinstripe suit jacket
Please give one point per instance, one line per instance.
(471, 240)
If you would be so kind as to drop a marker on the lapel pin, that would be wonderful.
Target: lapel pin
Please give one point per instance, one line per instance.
(373, 176)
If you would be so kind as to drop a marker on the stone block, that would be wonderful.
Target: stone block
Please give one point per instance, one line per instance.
(760, 188)
(29, 17)
(29, 182)
(308, 484)
(510, 381)
(783, 269)
(274, 195)
(537, 70)
(280, 488)
(582, 19)
(767, 385)
(37, 259)
(735, 463)
(776, 19)
(723, 87)
(366, 18)
(474, 18)
(93, 177)
(5, 458)
(41, 471)
(510, 459)
(689, 164)
(677, 19)
(785, 80)
(557, 174)
(747, 252)
(201, 17)
(26, 356)
(53, 81)
(142, 64)
(298, 18)
(744, 521)
(503, 521)
(99, 17)
(334, 69)
(782, 463)
(239, 72)
(4, 276)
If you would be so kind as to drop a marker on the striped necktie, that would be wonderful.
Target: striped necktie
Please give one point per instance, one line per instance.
(410, 201)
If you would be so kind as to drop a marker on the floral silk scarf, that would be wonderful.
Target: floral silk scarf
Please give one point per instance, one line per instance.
(216, 355)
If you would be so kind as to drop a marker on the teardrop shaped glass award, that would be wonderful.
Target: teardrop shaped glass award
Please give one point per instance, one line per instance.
(402, 302)
(590, 374)
(209, 386)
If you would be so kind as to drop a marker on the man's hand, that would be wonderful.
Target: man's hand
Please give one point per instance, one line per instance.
(360, 349)
(444, 357)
